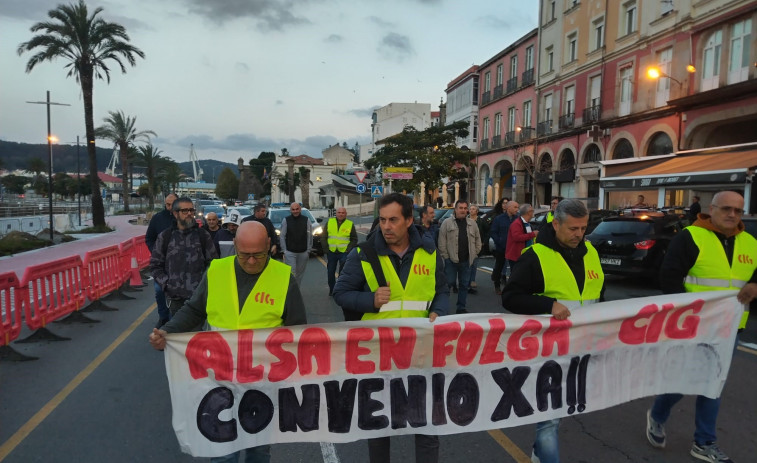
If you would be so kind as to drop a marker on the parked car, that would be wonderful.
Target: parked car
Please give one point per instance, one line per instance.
(278, 214)
(635, 244)
(202, 212)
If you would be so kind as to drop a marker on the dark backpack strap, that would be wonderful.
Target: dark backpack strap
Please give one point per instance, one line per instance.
(372, 257)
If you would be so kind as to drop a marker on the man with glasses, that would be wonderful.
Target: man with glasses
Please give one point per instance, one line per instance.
(181, 255)
(159, 222)
(715, 253)
(259, 215)
(229, 283)
(296, 240)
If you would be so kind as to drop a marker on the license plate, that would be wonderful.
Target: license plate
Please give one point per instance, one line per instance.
(607, 261)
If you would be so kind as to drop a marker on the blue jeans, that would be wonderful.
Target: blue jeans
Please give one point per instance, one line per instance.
(705, 418)
(160, 299)
(261, 454)
(473, 269)
(461, 273)
(332, 259)
(546, 444)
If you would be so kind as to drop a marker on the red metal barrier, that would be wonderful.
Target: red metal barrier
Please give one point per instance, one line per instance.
(10, 308)
(126, 250)
(52, 290)
(141, 251)
(102, 271)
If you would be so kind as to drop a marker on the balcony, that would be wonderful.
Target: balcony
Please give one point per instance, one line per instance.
(591, 114)
(496, 141)
(512, 84)
(509, 138)
(543, 128)
(484, 145)
(497, 91)
(567, 121)
(526, 133)
(486, 97)
(528, 77)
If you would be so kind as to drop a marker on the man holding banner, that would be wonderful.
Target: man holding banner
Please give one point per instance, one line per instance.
(228, 285)
(715, 253)
(395, 274)
(560, 273)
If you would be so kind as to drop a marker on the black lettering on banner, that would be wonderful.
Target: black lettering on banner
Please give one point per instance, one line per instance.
(255, 411)
(340, 403)
(214, 402)
(408, 406)
(366, 406)
(438, 416)
(549, 384)
(576, 384)
(512, 394)
(292, 414)
(462, 399)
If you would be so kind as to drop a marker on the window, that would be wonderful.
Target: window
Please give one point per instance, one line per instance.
(488, 82)
(595, 91)
(514, 66)
(738, 60)
(623, 150)
(666, 6)
(550, 64)
(498, 124)
(570, 100)
(499, 75)
(664, 59)
(572, 47)
(527, 113)
(626, 91)
(486, 128)
(552, 10)
(599, 33)
(711, 61)
(530, 57)
(629, 17)
(511, 120)
(548, 107)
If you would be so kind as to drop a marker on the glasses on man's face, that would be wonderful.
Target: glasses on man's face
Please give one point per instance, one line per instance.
(187, 210)
(244, 256)
(730, 210)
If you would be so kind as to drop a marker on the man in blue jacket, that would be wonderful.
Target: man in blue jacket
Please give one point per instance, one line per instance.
(159, 222)
(498, 232)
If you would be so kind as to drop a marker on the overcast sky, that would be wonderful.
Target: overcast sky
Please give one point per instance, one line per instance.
(237, 77)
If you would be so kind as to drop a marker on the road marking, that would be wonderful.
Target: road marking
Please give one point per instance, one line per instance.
(50, 406)
(321, 259)
(747, 350)
(509, 446)
(485, 269)
(329, 453)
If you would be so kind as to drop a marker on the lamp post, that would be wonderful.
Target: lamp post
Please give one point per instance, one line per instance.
(290, 162)
(654, 74)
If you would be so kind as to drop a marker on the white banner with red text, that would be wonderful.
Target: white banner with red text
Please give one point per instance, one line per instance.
(347, 381)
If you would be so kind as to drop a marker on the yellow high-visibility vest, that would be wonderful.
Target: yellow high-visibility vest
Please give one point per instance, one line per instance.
(711, 271)
(339, 238)
(264, 306)
(412, 300)
(550, 216)
(559, 282)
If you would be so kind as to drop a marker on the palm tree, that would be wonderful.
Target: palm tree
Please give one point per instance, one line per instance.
(149, 157)
(121, 130)
(172, 175)
(87, 42)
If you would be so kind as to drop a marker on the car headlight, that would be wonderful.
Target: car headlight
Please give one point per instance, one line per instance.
(317, 231)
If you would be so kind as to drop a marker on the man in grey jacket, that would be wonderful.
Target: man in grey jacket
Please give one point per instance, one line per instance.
(459, 244)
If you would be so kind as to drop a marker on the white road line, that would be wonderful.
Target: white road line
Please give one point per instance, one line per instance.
(329, 453)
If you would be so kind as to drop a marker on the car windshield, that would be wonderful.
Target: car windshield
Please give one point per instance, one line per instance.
(216, 209)
(277, 216)
(624, 227)
(243, 211)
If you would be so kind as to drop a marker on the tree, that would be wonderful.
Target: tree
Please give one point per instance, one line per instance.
(149, 157)
(121, 130)
(172, 175)
(432, 154)
(227, 185)
(87, 42)
(305, 186)
(15, 184)
(60, 184)
(261, 169)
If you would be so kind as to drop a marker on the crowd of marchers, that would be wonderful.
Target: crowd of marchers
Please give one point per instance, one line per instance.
(202, 283)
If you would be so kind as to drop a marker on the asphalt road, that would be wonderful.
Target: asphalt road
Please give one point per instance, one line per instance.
(103, 396)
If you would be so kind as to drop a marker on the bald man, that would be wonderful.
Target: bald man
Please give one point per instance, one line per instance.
(228, 283)
(338, 240)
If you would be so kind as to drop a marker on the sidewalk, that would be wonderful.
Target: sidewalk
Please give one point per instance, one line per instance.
(123, 231)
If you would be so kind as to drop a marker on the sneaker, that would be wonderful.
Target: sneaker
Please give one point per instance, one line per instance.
(655, 432)
(473, 285)
(454, 288)
(709, 452)
(461, 311)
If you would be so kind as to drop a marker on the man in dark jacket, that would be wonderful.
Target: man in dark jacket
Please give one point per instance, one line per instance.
(259, 215)
(296, 240)
(694, 209)
(498, 232)
(181, 255)
(427, 223)
(159, 222)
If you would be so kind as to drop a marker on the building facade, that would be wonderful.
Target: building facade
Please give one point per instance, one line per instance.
(391, 120)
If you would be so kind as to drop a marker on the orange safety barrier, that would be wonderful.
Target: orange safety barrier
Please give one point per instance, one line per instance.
(129, 270)
(10, 308)
(52, 290)
(102, 271)
(141, 251)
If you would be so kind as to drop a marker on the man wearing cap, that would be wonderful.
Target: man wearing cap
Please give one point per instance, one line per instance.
(226, 234)
(340, 238)
(296, 240)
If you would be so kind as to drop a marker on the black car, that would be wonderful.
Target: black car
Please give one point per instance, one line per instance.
(635, 244)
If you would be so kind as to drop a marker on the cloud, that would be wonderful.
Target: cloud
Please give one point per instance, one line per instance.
(279, 102)
(271, 15)
(363, 112)
(380, 22)
(242, 67)
(35, 10)
(396, 47)
(334, 38)
(498, 23)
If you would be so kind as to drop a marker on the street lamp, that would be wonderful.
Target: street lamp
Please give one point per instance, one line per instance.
(654, 73)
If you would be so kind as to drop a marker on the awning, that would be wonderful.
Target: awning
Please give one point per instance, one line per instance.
(723, 168)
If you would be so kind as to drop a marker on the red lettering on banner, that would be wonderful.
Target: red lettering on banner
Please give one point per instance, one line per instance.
(490, 354)
(246, 373)
(668, 318)
(209, 351)
(287, 363)
(629, 332)
(557, 333)
(469, 343)
(314, 343)
(353, 351)
(444, 333)
(400, 352)
(520, 347)
(690, 323)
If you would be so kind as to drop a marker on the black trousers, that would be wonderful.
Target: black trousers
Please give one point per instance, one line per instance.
(426, 449)
(499, 266)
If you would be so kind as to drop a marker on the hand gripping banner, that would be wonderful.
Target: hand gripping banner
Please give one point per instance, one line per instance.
(347, 381)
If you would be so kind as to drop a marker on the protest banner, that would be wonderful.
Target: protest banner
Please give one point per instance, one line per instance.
(342, 382)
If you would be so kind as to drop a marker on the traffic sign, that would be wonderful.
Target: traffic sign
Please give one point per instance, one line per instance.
(360, 188)
(399, 170)
(398, 175)
(360, 174)
(377, 191)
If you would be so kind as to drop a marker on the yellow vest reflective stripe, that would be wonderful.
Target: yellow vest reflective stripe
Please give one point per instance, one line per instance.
(412, 300)
(559, 282)
(711, 271)
(264, 306)
(339, 239)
